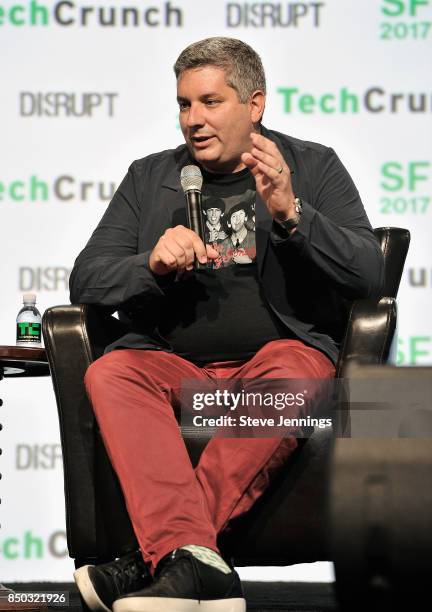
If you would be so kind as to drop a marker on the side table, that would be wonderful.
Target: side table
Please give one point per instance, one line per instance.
(16, 362)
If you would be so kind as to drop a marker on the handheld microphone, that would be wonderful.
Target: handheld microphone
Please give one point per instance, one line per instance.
(191, 181)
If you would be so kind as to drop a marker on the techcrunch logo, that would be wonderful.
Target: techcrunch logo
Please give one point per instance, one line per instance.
(66, 104)
(405, 20)
(406, 187)
(67, 14)
(273, 14)
(373, 100)
(419, 278)
(64, 188)
(29, 546)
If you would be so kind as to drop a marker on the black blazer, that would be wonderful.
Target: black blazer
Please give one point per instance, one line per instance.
(308, 278)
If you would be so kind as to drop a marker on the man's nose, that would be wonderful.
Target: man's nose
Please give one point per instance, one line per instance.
(196, 115)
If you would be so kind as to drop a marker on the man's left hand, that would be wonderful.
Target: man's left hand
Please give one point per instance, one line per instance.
(274, 186)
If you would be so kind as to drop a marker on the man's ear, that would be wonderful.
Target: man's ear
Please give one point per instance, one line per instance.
(257, 105)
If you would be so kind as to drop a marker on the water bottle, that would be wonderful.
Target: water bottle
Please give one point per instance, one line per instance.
(29, 322)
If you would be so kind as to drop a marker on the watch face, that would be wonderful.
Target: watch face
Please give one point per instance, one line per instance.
(289, 224)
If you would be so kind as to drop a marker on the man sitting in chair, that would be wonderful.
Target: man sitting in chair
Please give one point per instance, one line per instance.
(279, 315)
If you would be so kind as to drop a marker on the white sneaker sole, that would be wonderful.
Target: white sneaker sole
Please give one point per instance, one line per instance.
(87, 590)
(171, 604)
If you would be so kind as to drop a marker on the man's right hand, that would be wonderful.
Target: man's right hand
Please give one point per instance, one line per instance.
(177, 249)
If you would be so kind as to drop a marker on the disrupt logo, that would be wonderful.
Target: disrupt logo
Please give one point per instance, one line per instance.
(64, 188)
(67, 13)
(38, 456)
(373, 100)
(271, 15)
(66, 104)
(29, 546)
(55, 278)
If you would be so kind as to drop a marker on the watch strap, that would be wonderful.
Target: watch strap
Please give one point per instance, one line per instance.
(290, 224)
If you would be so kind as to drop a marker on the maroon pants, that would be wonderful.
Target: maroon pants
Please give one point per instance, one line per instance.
(170, 503)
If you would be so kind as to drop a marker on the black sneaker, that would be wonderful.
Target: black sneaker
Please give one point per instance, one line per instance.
(100, 585)
(184, 584)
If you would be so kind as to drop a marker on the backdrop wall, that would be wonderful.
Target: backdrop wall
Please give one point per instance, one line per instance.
(87, 86)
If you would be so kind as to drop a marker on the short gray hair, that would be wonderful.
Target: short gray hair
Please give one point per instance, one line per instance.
(242, 65)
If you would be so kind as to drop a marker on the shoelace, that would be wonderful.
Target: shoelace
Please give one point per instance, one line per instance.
(125, 574)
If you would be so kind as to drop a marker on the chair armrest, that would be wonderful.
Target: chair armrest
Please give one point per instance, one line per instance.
(75, 336)
(370, 334)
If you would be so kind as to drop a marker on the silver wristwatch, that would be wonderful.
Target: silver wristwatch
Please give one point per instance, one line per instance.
(290, 224)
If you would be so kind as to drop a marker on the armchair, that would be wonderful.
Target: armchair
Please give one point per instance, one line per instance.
(287, 525)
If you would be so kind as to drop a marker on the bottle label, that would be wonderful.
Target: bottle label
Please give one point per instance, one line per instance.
(29, 333)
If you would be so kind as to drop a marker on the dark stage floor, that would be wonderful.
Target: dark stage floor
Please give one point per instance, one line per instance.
(261, 596)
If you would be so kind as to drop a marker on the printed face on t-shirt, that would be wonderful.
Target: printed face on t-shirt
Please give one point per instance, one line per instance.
(238, 220)
(233, 234)
(213, 215)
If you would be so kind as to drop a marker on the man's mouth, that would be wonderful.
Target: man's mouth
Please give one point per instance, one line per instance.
(201, 140)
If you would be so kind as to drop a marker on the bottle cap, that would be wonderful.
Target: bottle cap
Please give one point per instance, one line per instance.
(29, 298)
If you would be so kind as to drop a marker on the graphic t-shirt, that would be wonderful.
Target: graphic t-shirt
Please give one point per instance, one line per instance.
(220, 313)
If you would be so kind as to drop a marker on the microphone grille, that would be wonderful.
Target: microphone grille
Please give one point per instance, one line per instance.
(191, 178)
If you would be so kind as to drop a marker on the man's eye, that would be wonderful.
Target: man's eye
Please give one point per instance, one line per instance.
(183, 105)
(211, 102)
